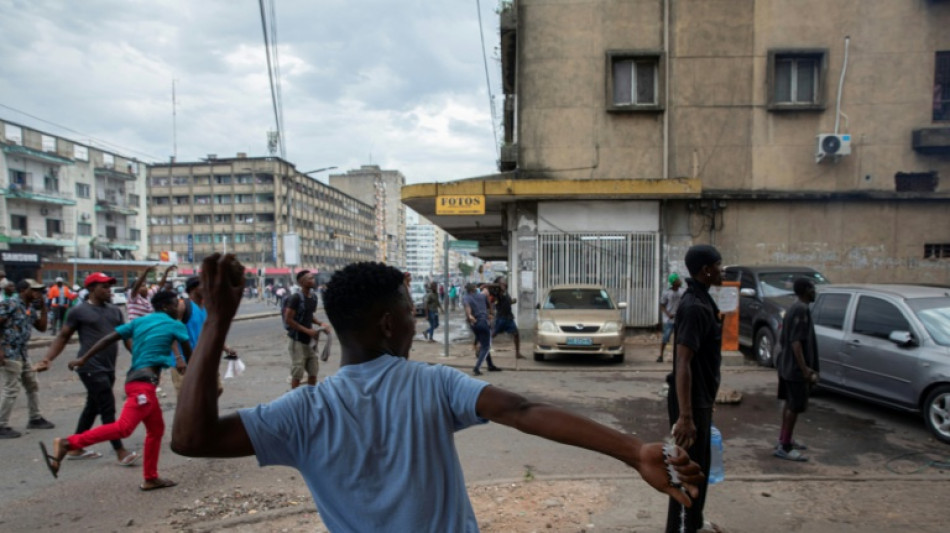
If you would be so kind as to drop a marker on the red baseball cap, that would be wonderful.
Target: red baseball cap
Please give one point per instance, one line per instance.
(98, 277)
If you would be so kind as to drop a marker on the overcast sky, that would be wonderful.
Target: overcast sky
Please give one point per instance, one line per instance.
(400, 84)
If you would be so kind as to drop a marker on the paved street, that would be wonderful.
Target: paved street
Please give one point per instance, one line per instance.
(854, 481)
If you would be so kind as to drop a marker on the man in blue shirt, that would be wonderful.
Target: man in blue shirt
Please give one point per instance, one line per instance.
(477, 311)
(375, 442)
(152, 337)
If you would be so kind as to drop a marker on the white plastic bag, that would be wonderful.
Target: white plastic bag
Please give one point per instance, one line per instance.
(235, 368)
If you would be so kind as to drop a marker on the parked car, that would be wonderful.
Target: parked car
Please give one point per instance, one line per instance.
(888, 344)
(417, 290)
(579, 319)
(119, 296)
(765, 293)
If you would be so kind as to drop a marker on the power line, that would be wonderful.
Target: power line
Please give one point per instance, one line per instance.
(491, 99)
(89, 137)
(270, 75)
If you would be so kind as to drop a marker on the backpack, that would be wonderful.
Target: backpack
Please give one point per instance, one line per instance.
(298, 314)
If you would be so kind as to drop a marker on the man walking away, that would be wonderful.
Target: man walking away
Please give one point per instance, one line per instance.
(432, 308)
(477, 310)
(669, 301)
(298, 315)
(18, 316)
(152, 338)
(505, 316)
(695, 378)
(375, 442)
(93, 319)
(60, 298)
(797, 366)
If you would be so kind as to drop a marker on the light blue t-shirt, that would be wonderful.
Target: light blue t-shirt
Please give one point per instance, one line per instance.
(152, 337)
(375, 444)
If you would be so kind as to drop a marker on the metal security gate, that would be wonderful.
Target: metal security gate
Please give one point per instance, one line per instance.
(627, 264)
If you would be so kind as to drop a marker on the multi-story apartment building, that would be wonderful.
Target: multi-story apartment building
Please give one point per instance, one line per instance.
(63, 200)
(783, 132)
(241, 205)
(425, 251)
(381, 189)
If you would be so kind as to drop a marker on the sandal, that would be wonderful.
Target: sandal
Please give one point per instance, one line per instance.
(85, 455)
(157, 483)
(129, 460)
(50, 460)
(711, 527)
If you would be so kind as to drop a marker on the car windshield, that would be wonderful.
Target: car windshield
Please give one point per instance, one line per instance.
(417, 288)
(578, 299)
(773, 284)
(934, 313)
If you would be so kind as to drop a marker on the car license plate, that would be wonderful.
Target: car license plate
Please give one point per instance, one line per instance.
(579, 341)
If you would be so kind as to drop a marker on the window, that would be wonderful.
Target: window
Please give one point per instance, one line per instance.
(82, 190)
(108, 160)
(53, 227)
(160, 200)
(111, 232)
(17, 177)
(635, 81)
(942, 86)
(222, 198)
(18, 222)
(48, 143)
(222, 219)
(80, 152)
(830, 309)
(796, 79)
(181, 200)
(135, 200)
(878, 318)
(84, 229)
(135, 234)
(937, 251)
(50, 182)
(202, 199)
(202, 219)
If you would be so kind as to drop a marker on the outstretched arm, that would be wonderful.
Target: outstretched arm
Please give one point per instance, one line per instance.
(55, 348)
(161, 284)
(198, 430)
(141, 279)
(96, 348)
(553, 423)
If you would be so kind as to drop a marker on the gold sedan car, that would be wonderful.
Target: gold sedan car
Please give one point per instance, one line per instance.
(579, 319)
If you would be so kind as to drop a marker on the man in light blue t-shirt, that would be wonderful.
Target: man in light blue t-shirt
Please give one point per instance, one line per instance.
(375, 442)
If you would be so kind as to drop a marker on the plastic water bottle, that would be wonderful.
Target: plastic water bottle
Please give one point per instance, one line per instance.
(716, 474)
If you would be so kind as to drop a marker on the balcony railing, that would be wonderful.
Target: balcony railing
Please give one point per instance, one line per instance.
(27, 191)
(106, 172)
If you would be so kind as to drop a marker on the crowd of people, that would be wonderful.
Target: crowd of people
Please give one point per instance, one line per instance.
(371, 312)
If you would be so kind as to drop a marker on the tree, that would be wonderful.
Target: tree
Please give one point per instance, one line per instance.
(466, 269)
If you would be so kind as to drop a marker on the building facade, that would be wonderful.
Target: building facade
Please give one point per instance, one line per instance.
(65, 200)
(245, 206)
(783, 132)
(381, 189)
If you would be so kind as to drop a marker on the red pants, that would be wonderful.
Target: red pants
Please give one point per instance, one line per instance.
(133, 412)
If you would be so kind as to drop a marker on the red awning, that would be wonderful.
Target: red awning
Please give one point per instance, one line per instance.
(276, 271)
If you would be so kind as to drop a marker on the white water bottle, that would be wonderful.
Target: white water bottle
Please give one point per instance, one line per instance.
(716, 474)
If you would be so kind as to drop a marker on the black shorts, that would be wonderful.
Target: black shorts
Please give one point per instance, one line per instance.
(795, 394)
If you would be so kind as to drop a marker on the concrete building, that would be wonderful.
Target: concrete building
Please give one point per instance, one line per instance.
(783, 132)
(240, 205)
(64, 200)
(380, 189)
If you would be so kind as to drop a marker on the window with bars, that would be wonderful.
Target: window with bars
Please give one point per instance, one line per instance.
(942, 87)
(634, 81)
(937, 250)
(796, 79)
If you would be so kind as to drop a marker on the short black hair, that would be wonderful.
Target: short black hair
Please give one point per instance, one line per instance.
(192, 283)
(22, 285)
(301, 274)
(356, 292)
(162, 299)
(801, 285)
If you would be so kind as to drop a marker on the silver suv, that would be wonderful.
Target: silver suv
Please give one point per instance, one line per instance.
(889, 344)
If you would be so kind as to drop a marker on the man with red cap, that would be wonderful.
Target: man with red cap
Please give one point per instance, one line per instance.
(93, 319)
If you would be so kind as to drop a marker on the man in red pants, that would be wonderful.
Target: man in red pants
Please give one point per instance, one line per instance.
(152, 338)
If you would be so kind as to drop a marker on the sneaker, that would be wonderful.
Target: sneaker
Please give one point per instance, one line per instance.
(475, 372)
(494, 369)
(8, 433)
(792, 455)
(40, 423)
(795, 445)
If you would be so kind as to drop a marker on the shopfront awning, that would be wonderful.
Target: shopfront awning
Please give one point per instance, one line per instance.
(503, 189)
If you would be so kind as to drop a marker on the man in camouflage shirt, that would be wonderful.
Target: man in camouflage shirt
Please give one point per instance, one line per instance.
(18, 317)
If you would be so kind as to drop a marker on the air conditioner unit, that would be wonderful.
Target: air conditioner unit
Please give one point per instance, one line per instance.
(832, 145)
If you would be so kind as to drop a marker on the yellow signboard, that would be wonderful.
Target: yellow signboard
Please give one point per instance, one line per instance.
(460, 204)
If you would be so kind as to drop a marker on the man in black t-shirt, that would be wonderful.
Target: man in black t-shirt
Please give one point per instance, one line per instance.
(504, 316)
(797, 366)
(93, 319)
(695, 378)
(298, 315)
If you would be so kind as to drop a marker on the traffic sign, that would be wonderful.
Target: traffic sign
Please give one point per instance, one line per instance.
(464, 246)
